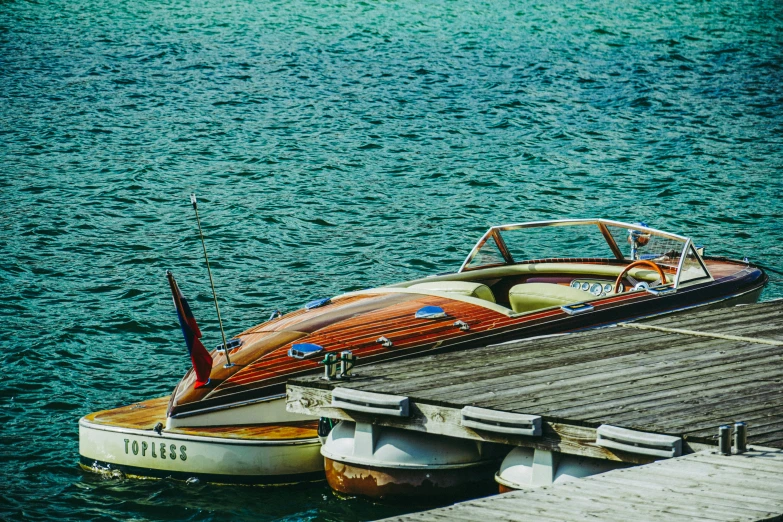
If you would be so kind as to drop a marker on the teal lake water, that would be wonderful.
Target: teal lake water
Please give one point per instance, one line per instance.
(334, 146)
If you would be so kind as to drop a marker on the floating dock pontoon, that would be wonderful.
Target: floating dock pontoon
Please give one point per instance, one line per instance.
(572, 405)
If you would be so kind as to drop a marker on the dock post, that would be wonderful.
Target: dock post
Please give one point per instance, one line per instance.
(740, 437)
(724, 440)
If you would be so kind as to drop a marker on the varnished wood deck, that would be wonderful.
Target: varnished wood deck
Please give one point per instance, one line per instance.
(701, 486)
(140, 415)
(681, 384)
(145, 415)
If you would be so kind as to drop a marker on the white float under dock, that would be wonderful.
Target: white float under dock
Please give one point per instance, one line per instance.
(700, 486)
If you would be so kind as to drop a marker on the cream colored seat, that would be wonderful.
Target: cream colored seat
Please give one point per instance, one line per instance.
(458, 287)
(535, 296)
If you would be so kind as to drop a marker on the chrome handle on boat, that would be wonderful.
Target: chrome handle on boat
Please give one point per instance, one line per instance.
(233, 343)
(662, 289)
(275, 314)
(462, 325)
(576, 308)
(385, 342)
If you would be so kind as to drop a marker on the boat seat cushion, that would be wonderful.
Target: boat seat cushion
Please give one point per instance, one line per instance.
(535, 296)
(458, 287)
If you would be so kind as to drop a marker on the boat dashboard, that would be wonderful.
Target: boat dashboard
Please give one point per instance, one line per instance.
(596, 287)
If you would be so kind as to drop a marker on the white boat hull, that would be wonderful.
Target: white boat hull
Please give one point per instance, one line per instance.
(265, 454)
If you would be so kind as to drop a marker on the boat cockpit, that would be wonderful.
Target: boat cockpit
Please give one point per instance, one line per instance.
(524, 267)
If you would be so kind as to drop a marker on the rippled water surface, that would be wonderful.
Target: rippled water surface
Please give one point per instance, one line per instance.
(334, 146)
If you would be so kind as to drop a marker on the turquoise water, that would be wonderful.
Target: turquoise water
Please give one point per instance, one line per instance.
(334, 146)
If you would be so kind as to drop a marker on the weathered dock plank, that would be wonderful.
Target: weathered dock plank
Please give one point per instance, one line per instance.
(639, 374)
(501, 356)
(701, 486)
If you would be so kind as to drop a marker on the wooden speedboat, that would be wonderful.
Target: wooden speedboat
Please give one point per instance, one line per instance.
(519, 280)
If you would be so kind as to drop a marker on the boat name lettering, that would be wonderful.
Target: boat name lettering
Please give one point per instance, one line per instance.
(150, 449)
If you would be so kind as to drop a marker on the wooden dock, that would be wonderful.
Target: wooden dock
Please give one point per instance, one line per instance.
(679, 376)
(701, 486)
(682, 375)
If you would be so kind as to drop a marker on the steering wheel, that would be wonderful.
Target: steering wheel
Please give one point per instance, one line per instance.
(642, 262)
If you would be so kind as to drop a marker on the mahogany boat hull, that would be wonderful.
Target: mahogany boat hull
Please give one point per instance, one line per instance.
(266, 377)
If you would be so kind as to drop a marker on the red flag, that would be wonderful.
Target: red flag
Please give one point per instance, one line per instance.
(199, 356)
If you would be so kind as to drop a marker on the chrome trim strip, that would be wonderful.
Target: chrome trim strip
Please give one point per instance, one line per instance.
(571, 222)
(683, 253)
(701, 262)
(475, 249)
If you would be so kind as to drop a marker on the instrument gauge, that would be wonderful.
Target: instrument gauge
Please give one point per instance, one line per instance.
(575, 284)
(596, 289)
(585, 286)
(607, 288)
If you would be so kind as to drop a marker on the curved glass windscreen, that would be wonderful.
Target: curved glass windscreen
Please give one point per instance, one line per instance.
(576, 240)
(585, 241)
(488, 255)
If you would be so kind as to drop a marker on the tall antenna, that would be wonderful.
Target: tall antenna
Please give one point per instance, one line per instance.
(228, 364)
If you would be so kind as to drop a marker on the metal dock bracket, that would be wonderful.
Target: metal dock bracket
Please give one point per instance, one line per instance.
(501, 421)
(367, 402)
(639, 442)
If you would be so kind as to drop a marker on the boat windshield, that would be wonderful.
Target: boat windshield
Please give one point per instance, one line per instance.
(586, 240)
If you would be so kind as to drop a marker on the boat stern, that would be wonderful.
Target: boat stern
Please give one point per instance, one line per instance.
(132, 441)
